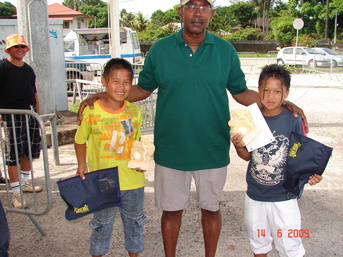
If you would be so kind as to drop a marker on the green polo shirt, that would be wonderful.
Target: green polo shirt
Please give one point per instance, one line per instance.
(192, 111)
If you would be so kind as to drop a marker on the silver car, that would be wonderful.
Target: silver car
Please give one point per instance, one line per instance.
(336, 58)
(305, 56)
(76, 69)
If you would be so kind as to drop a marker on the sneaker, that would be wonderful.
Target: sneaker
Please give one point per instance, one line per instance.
(3, 180)
(16, 201)
(28, 188)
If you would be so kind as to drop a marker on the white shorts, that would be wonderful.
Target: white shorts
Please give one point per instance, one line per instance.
(172, 188)
(278, 221)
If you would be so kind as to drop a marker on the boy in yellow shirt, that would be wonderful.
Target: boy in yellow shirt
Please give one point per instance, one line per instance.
(109, 130)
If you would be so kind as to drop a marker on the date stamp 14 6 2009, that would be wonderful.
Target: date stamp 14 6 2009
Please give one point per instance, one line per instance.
(290, 233)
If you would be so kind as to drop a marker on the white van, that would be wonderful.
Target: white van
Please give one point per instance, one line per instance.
(92, 45)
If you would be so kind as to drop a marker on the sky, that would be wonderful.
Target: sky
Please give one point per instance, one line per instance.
(147, 7)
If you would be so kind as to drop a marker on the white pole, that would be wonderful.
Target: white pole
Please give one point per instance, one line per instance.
(114, 28)
(295, 50)
(335, 34)
(33, 24)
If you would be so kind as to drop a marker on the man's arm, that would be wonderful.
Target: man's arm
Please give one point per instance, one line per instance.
(137, 93)
(297, 112)
(250, 96)
(89, 101)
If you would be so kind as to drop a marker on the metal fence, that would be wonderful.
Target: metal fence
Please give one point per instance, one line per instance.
(80, 89)
(248, 59)
(38, 203)
(148, 109)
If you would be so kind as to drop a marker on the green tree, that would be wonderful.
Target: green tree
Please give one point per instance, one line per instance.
(162, 18)
(141, 22)
(76, 4)
(222, 20)
(172, 14)
(154, 32)
(262, 10)
(127, 19)
(282, 28)
(159, 18)
(72, 4)
(98, 12)
(243, 13)
(7, 9)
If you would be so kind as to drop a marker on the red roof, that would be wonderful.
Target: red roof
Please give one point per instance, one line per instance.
(58, 11)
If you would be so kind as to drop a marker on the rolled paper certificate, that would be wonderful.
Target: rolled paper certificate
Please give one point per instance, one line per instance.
(142, 155)
(243, 122)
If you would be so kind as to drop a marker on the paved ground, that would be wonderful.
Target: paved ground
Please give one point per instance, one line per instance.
(320, 96)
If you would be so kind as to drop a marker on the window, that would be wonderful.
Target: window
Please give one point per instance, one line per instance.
(69, 46)
(66, 24)
(123, 39)
(135, 41)
(288, 51)
(300, 51)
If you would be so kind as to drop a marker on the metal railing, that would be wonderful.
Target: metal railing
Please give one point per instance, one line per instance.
(38, 203)
(248, 59)
(148, 109)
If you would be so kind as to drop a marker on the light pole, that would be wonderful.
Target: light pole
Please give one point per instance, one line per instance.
(114, 28)
(335, 32)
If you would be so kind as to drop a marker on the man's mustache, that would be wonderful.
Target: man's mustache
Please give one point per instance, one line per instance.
(197, 20)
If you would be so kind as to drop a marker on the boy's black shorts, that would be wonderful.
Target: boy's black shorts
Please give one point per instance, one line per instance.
(22, 137)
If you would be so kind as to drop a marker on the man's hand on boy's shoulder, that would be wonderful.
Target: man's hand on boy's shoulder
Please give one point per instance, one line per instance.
(297, 112)
(89, 101)
(314, 179)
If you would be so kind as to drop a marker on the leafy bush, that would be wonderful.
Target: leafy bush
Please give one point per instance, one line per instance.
(246, 34)
(304, 40)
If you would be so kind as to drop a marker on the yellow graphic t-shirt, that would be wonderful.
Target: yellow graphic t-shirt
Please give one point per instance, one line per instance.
(109, 136)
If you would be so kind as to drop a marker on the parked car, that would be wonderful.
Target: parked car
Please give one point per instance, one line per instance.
(336, 58)
(76, 69)
(301, 56)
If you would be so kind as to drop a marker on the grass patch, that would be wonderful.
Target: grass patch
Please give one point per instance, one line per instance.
(74, 107)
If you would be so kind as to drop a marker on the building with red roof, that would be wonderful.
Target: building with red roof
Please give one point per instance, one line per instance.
(71, 19)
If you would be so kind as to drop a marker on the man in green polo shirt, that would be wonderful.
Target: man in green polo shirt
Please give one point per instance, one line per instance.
(192, 70)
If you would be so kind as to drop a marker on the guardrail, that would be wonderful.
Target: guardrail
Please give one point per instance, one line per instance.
(248, 59)
(321, 64)
(82, 88)
(148, 109)
(38, 203)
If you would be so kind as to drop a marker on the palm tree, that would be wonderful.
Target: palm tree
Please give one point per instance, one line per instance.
(262, 10)
(141, 22)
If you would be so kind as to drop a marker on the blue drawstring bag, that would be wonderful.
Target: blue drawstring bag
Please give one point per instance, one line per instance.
(306, 157)
(98, 191)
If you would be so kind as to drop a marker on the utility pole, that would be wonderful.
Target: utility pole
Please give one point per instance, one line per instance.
(114, 28)
(33, 24)
(327, 20)
(335, 32)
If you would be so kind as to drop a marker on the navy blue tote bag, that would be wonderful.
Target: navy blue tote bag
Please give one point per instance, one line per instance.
(306, 157)
(98, 191)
